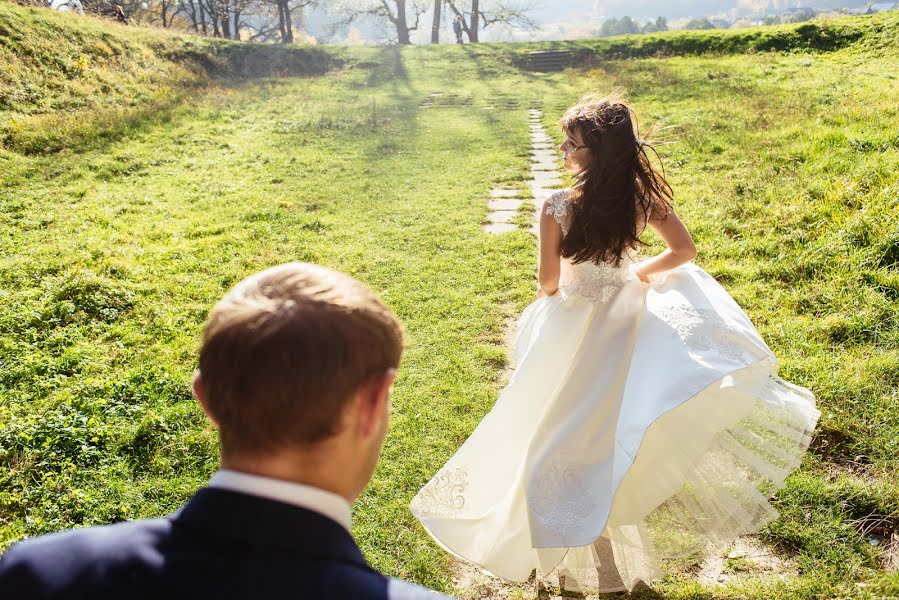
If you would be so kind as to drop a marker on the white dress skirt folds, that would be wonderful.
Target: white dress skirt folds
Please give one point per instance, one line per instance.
(643, 424)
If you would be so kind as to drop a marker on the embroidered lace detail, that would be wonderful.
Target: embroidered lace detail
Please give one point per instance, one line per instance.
(704, 330)
(599, 282)
(559, 496)
(557, 207)
(444, 495)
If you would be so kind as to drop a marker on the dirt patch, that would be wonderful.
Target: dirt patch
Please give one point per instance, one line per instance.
(746, 558)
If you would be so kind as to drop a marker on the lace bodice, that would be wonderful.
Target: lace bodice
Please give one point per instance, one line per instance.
(596, 281)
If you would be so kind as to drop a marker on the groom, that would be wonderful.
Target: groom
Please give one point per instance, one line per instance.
(296, 367)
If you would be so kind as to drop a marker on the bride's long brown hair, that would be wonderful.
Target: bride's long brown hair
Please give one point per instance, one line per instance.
(619, 189)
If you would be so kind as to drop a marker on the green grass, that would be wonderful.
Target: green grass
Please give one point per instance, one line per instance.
(118, 234)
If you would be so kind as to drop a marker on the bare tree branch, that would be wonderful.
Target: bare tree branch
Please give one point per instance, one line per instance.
(509, 13)
(380, 11)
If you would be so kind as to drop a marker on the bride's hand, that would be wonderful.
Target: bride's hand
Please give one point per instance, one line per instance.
(642, 276)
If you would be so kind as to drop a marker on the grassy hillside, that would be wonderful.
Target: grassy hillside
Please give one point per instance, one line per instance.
(118, 233)
(68, 80)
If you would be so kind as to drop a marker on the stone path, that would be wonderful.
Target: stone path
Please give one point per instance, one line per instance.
(506, 203)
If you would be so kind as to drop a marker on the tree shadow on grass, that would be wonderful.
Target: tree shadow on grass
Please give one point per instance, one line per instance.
(391, 69)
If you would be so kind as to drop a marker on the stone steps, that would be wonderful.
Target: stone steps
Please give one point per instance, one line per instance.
(549, 60)
(545, 179)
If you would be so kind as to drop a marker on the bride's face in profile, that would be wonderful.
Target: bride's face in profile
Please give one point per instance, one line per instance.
(575, 153)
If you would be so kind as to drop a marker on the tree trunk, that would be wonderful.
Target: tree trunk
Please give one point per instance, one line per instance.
(281, 28)
(225, 17)
(402, 28)
(288, 23)
(475, 20)
(237, 13)
(213, 8)
(435, 26)
(202, 17)
(164, 13)
(193, 15)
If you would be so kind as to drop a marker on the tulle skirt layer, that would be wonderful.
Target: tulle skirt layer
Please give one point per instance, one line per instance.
(635, 431)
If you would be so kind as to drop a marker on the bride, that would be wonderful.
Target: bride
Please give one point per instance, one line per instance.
(645, 422)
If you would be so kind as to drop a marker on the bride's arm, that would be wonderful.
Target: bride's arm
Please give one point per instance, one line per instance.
(550, 255)
(681, 248)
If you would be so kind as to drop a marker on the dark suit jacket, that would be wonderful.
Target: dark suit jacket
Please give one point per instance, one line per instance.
(221, 544)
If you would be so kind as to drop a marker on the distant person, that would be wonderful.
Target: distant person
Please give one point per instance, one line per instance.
(120, 14)
(296, 367)
(458, 28)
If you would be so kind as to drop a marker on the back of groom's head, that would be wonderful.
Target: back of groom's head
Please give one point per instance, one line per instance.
(285, 351)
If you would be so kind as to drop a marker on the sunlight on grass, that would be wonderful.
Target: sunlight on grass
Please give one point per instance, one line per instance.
(785, 167)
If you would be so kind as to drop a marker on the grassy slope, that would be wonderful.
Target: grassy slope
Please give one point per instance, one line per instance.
(67, 81)
(784, 168)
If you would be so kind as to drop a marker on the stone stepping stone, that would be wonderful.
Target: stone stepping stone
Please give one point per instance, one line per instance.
(545, 160)
(544, 154)
(534, 111)
(502, 216)
(503, 193)
(498, 228)
(505, 204)
(540, 194)
(544, 166)
(543, 146)
(545, 178)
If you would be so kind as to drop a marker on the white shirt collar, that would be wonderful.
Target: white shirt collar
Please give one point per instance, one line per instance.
(327, 503)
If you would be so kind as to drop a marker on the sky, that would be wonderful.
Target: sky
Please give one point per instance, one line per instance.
(570, 19)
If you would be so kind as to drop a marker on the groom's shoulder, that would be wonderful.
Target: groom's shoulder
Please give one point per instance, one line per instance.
(58, 560)
(397, 589)
(83, 544)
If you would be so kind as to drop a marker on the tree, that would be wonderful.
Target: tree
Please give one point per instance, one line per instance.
(435, 24)
(482, 14)
(393, 12)
(699, 24)
(660, 24)
(286, 10)
(168, 10)
(621, 26)
(197, 14)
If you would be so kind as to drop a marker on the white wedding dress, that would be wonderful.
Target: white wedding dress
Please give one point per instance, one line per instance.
(643, 423)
